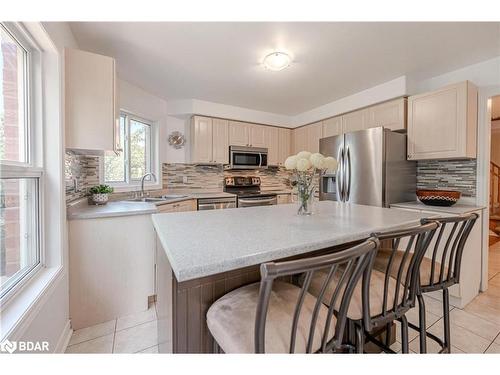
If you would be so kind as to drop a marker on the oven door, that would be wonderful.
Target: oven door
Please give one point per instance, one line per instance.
(257, 201)
(248, 158)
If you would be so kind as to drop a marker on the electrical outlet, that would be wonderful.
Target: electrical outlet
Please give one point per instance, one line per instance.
(184, 179)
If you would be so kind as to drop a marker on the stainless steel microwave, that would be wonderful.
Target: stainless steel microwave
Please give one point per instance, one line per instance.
(247, 157)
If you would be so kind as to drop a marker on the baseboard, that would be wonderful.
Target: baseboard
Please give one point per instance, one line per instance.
(63, 341)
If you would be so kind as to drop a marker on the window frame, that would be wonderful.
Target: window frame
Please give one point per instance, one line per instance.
(151, 149)
(32, 166)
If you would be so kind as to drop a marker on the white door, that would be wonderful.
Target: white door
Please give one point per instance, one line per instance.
(257, 135)
(201, 135)
(332, 126)
(272, 144)
(354, 121)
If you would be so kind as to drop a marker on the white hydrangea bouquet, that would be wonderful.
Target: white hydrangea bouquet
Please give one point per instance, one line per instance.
(306, 165)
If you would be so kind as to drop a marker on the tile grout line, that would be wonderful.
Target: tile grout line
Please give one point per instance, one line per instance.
(491, 343)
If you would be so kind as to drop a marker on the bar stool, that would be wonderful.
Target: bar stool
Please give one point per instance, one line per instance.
(440, 271)
(275, 316)
(379, 298)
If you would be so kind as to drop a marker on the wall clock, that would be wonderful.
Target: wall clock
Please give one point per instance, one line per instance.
(176, 140)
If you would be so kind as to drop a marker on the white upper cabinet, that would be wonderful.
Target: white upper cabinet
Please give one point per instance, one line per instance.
(201, 136)
(442, 124)
(220, 141)
(239, 133)
(272, 144)
(332, 126)
(354, 121)
(314, 134)
(92, 113)
(209, 140)
(391, 115)
(257, 135)
(300, 142)
(285, 145)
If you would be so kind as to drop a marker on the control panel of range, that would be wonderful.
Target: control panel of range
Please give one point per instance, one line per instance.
(242, 181)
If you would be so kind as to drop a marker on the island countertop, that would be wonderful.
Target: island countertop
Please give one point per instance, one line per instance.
(204, 243)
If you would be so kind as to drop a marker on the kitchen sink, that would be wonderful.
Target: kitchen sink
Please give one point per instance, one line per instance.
(163, 198)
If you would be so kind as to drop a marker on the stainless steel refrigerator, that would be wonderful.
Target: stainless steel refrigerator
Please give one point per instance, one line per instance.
(372, 170)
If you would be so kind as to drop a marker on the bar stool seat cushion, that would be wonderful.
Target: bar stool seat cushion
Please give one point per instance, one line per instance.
(231, 320)
(376, 292)
(383, 257)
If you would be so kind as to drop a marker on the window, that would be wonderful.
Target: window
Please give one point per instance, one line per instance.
(137, 158)
(20, 179)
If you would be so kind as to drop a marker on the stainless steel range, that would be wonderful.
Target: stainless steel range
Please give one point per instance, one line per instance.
(247, 189)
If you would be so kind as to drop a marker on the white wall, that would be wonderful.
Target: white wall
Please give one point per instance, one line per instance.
(139, 102)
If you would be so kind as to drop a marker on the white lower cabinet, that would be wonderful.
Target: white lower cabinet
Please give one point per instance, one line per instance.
(470, 274)
(284, 198)
(111, 268)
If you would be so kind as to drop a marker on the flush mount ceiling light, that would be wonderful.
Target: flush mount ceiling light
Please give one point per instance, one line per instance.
(277, 61)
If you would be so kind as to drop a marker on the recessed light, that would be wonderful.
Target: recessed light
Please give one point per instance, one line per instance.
(277, 61)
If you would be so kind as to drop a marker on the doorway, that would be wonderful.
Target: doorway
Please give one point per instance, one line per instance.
(494, 199)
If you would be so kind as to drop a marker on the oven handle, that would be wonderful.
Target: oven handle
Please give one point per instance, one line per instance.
(257, 200)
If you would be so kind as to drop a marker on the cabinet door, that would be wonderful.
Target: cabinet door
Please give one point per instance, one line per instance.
(220, 144)
(314, 134)
(201, 135)
(354, 121)
(90, 100)
(166, 208)
(284, 198)
(300, 139)
(238, 134)
(332, 126)
(257, 135)
(285, 145)
(272, 144)
(189, 205)
(390, 115)
(443, 124)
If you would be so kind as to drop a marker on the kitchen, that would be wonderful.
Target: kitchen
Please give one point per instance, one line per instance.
(173, 205)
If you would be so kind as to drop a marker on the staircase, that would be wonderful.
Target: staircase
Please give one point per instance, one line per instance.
(495, 198)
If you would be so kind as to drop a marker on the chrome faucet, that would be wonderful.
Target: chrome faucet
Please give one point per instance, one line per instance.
(142, 182)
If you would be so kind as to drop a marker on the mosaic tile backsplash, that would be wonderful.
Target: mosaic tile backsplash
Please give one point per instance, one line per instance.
(81, 172)
(457, 175)
(434, 174)
(210, 177)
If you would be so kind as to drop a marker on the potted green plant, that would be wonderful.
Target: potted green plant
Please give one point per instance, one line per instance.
(99, 194)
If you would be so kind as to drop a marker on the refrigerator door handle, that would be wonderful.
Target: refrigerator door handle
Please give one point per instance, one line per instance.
(348, 174)
(340, 174)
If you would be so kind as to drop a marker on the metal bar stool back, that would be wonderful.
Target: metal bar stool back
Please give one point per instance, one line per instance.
(346, 266)
(441, 270)
(277, 315)
(389, 290)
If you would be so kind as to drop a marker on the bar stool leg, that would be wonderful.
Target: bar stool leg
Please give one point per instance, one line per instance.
(446, 321)
(360, 339)
(404, 335)
(422, 324)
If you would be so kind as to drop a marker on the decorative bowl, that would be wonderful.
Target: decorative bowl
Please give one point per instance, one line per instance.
(438, 197)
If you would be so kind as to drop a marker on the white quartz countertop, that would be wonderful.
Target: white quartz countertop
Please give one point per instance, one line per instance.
(204, 243)
(83, 210)
(457, 209)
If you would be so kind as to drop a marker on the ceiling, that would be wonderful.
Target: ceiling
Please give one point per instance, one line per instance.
(220, 62)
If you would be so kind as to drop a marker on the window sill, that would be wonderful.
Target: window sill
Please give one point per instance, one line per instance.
(21, 308)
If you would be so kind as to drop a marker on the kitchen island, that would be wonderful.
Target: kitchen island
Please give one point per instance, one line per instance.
(204, 255)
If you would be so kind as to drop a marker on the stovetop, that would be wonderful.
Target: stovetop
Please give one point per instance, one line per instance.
(251, 193)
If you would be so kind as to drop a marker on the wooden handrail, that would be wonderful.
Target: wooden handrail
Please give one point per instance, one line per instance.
(494, 188)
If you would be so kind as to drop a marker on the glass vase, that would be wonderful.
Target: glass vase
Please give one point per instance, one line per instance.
(305, 199)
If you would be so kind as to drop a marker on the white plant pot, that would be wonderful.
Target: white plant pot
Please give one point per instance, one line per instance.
(100, 199)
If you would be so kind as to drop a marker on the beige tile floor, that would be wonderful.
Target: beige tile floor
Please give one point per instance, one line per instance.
(130, 334)
(474, 329)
